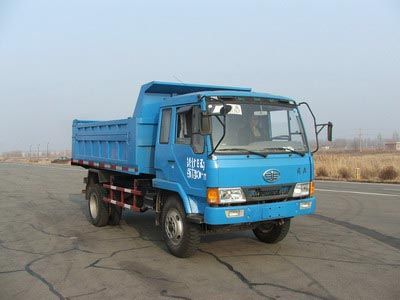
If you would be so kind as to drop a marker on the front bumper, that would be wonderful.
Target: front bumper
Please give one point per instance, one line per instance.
(257, 212)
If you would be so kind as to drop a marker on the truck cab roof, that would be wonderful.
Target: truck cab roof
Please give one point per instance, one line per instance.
(175, 88)
(187, 93)
(220, 93)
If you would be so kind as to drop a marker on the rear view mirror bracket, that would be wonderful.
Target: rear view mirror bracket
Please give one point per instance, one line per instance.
(319, 127)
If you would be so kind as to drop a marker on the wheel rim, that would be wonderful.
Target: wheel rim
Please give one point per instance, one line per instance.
(93, 206)
(174, 226)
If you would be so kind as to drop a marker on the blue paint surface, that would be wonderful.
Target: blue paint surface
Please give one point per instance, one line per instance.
(257, 212)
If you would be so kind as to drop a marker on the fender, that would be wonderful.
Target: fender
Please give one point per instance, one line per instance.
(102, 176)
(175, 187)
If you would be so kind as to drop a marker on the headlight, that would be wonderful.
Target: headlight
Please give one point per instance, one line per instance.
(303, 189)
(225, 195)
(231, 195)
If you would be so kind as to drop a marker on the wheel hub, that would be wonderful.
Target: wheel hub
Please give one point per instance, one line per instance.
(174, 226)
(93, 206)
(267, 227)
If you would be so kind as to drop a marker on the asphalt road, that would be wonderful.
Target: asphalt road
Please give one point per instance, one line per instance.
(350, 249)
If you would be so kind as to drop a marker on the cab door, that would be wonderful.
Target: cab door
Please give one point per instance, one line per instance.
(188, 151)
(164, 160)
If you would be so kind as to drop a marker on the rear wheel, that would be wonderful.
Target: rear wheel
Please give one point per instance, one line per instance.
(272, 232)
(181, 236)
(92, 179)
(97, 208)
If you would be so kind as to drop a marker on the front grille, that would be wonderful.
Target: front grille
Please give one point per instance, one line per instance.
(268, 193)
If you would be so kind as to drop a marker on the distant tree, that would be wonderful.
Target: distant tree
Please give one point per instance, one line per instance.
(12, 154)
(356, 144)
(379, 141)
(396, 136)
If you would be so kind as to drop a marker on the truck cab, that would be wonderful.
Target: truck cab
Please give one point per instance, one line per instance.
(235, 157)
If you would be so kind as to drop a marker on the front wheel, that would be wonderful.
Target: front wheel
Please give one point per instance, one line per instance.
(181, 236)
(272, 232)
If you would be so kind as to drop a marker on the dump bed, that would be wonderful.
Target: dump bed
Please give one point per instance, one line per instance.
(106, 145)
(128, 145)
(125, 145)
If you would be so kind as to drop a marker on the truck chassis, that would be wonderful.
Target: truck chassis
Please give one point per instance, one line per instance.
(136, 194)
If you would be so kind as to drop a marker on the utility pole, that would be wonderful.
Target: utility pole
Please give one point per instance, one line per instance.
(38, 147)
(359, 140)
(47, 150)
(30, 152)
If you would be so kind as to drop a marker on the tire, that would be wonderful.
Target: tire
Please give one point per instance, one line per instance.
(92, 179)
(181, 236)
(97, 208)
(272, 232)
(115, 215)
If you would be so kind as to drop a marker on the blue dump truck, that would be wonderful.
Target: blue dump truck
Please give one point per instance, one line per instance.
(205, 158)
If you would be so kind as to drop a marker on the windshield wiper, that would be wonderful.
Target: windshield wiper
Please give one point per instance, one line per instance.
(244, 150)
(290, 149)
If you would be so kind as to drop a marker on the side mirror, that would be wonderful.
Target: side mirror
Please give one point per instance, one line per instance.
(201, 122)
(205, 126)
(196, 119)
(225, 109)
(329, 131)
(197, 143)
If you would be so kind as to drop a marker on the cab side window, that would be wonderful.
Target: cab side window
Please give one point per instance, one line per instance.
(184, 125)
(165, 126)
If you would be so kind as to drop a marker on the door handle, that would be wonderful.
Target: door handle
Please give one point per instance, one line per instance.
(171, 160)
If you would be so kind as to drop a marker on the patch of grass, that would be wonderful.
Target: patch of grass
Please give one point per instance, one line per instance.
(367, 165)
(322, 172)
(344, 173)
(388, 173)
(368, 173)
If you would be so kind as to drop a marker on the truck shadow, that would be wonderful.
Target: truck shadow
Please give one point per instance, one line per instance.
(144, 225)
(141, 223)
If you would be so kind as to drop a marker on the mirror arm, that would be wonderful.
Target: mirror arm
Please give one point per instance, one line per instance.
(322, 126)
(223, 127)
(222, 137)
(316, 131)
(199, 98)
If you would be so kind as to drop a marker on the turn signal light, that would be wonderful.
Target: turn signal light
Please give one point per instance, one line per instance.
(312, 188)
(212, 196)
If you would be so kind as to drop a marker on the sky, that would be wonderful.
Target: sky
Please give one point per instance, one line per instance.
(65, 60)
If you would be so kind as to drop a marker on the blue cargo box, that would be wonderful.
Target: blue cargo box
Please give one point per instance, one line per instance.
(116, 145)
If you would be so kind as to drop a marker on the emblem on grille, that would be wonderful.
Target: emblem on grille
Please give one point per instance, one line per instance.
(271, 175)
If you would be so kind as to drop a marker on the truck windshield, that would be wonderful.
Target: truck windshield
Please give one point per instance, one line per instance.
(257, 126)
